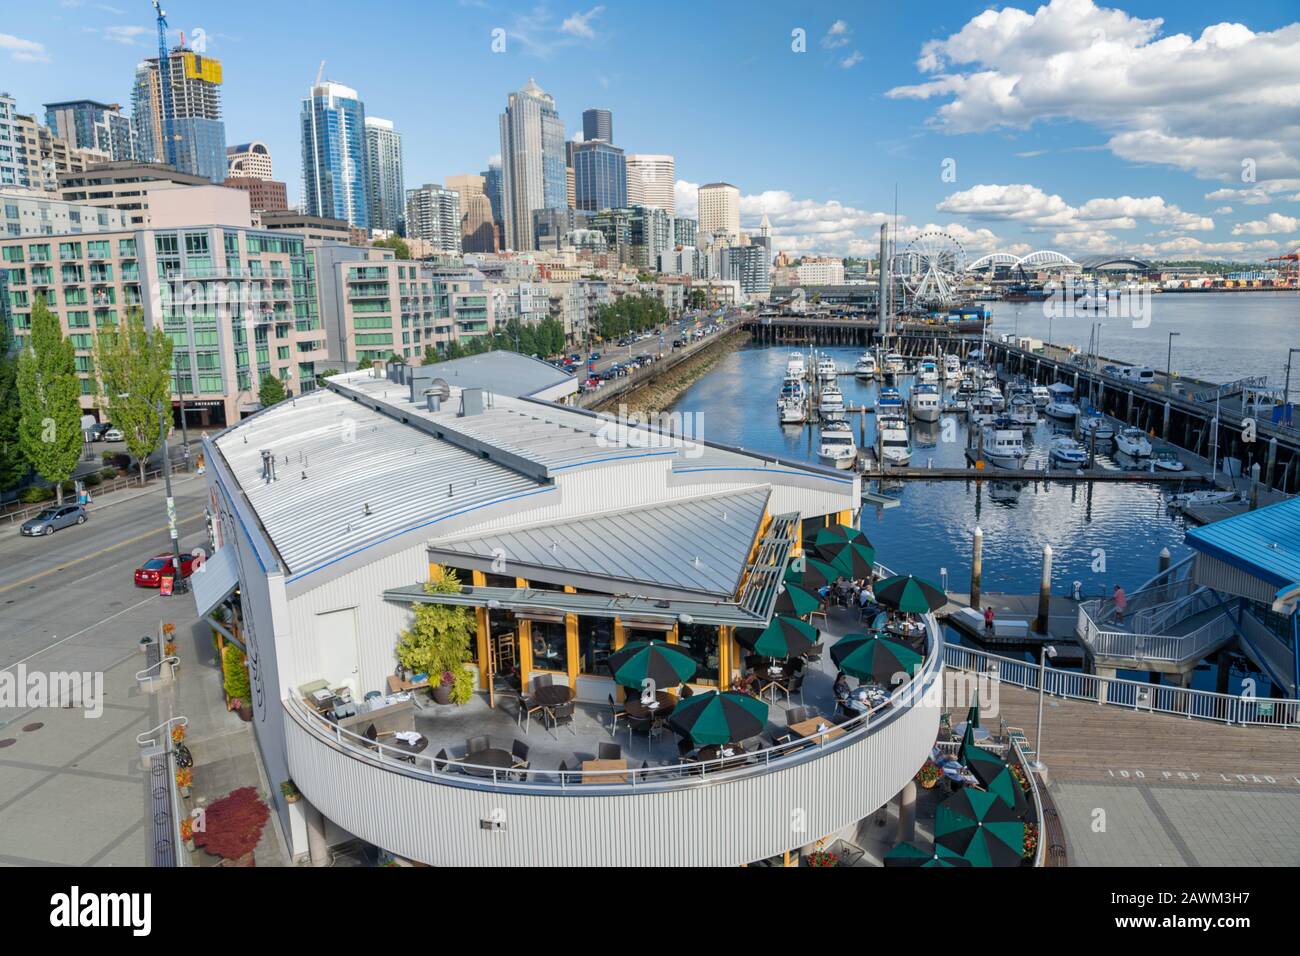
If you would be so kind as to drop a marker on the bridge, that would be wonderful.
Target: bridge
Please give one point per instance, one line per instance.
(1043, 259)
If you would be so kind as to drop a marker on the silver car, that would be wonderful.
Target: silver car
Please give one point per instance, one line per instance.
(52, 519)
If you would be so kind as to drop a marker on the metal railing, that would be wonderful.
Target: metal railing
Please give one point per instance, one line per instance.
(1039, 853)
(145, 675)
(179, 465)
(147, 740)
(672, 776)
(1145, 641)
(1132, 695)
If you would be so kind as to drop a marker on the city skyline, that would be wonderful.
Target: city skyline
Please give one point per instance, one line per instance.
(1119, 151)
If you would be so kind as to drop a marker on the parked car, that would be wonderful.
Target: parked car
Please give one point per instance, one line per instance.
(114, 434)
(149, 574)
(594, 357)
(52, 519)
(98, 430)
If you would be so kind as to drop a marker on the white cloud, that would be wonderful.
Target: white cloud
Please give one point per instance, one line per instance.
(1202, 104)
(127, 35)
(1256, 195)
(1223, 211)
(837, 36)
(23, 51)
(852, 60)
(579, 24)
(1275, 223)
(1036, 210)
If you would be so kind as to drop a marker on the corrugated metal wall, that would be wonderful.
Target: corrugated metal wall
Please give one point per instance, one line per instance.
(1209, 571)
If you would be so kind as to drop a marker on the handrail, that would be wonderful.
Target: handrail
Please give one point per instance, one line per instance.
(144, 740)
(1038, 801)
(1133, 695)
(669, 777)
(1147, 642)
(144, 674)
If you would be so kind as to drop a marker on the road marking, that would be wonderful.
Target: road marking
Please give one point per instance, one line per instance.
(89, 627)
(95, 554)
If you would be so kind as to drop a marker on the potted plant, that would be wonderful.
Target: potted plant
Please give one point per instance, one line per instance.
(290, 792)
(462, 685)
(232, 827)
(184, 780)
(441, 691)
(1031, 842)
(929, 774)
(187, 833)
(144, 644)
(438, 642)
(178, 733)
(822, 858)
(236, 681)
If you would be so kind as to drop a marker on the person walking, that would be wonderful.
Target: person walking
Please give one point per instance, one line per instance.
(988, 621)
(1121, 603)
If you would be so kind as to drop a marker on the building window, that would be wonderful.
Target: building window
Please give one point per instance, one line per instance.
(595, 644)
(550, 646)
(700, 641)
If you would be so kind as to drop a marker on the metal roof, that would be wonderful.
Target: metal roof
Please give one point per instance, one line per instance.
(507, 373)
(1265, 543)
(698, 545)
(348, 477)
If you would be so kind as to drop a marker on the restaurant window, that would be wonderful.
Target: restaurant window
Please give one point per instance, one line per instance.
(700, 641)
(550, 646)
(595, 644)
(809, 528)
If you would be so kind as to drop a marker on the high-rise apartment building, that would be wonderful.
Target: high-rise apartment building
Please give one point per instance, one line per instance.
(598, 124)
(335, 171)
(46, 157)
(651, 179)
(13, 166)
(719, 205)
(492, 189)
(433, 214)
(532, 162)
(599, 176)
(477, 229)
(684, 231)
(87, 124)
(249, 161)
(198, 135)
(386, 187)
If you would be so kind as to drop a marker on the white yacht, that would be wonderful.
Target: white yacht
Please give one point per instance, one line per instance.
(1066, 451)
(837, 445)
(1094, 425)
(981, 409)
(792, 388)
(890, 402)
(832, 399)
(826, 370)
(1062, 406)
(951, 369)
(993, 395)
(1023, 411)
(895, 364)
(1004, 444)
(1040, 395)
(865, 368)
(924, 401)
(795, 366)
(927, 371)
(793, 412)
(1133, 442)
(1207, 497)
(1167, 460)
(895, 443)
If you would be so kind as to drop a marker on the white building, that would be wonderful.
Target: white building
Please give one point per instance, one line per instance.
(720, 210)
(650, 181)
(821, 270)
(249, 160)
(32, 212)
(386, 185)
(433, 214)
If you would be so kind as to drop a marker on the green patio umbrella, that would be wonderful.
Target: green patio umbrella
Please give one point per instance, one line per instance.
(852, 559)
(868, 657)
(909, 594)
(838, 534)
(713, 718)
(984, 764)
(1006, 788)
(909, 854)
(813, 574)
(797, 600)
(784, 637)
(980, 827)
(662, 663)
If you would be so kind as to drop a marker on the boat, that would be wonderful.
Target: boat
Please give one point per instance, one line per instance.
(924, 402)
(1205, 497)
(993, 395)
(895, 364)
(1003, 444)
(890, 402)
(951, 369)
(793, 412)
(826, 370)
(791, 388)
(1066, 451)
(1062, 406)
(1094, 426)
(982, 409)
(795, 367)
(832, 399)
(927, 371)
(865, 367)
(895, 444)
(1023, 411)
(837, 445)
(925, 434)
(1005, 492)
(1167, 460)
(1040, 395)
(1133, 442)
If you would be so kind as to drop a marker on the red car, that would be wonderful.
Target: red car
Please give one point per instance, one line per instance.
(149, 574)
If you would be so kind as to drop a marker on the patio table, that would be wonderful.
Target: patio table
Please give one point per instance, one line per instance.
(552, 695)
(664, 704)
(604, 771)
(808, 728)
(486, 761)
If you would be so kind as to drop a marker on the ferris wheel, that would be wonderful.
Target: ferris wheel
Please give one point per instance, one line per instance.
(930, 267)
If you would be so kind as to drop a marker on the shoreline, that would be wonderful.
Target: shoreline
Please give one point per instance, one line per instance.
(662, 391)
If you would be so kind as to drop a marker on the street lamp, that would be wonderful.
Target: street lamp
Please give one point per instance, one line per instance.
(180, 585)
(1047, 651)
(1169, 363)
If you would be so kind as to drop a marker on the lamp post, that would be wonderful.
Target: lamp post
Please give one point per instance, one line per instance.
(1169, 363)
(1047, 651)
(1286, 392)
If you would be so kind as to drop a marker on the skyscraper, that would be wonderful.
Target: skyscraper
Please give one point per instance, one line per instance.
(249, 161)
(720, 210)
(433, 214)
(477, 227)
(13, 167)
(334, 168)
(599, 176)
(532, 162)
(598, 124)
(650, 181)
(492, 189)
(198, 133)
(385, 187)
(87, 124)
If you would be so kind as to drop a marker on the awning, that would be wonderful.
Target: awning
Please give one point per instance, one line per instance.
(214, 579)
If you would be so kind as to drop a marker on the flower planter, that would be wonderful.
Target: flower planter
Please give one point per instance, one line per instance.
(189, 845)
(245, 712)
(441, 693)
(185, 792)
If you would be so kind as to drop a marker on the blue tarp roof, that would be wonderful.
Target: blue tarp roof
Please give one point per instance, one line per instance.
(1265, 542)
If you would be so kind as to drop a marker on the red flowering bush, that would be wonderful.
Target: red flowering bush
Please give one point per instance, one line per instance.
(823, 858)
(233, 824)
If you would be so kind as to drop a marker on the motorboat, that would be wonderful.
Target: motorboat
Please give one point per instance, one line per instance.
(982, 409)
(1207, 496)
(924, 402)
(826, 370)
(1133, 442)
(1167, 460)
(890, 402)
(1095, 426)
(791, 388)
(837, 445)
(895, 364)
(793, 412)
(1005, 492)
(1041, 395)
(927, 371)
(1062, 406)
(951, 369)
(795, 366)
(1066, 451)
(1023, 411)
(865, 367)
(895, 443)
(925, 434)
(832, 399)
(1003, 444)
(993, 395)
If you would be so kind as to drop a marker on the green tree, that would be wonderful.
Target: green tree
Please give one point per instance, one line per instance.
(135, 373)
(397, 244)
(49, 422)
(270, 391)
(12, 464)
(439, 640)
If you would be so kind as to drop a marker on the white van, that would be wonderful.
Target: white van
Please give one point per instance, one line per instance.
(1138, 373)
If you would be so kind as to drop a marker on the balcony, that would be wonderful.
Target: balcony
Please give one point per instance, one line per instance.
(775, 797)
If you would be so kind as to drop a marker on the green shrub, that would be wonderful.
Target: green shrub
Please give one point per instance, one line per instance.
(92, 480)
(462, 685)
(69, 488)
(106, 456)
(36, 494)
(107, 474)
(236, 674)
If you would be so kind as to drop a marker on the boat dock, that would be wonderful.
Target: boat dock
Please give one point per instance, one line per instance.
(973, 473)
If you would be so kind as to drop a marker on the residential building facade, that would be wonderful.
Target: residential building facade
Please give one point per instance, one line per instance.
(386, 189)
(335, 169)
(87, 124)
(433, 214)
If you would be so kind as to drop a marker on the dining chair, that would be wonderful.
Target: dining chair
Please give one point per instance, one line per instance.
(794, 686)
(475, 744)
(543, 680)
(442, 761)
(561, 714)
(609, 752)
(616, 713)
(527, 707)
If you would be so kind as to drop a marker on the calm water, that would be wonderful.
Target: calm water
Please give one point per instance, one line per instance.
(1222, 336)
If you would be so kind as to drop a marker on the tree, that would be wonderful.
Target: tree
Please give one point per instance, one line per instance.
(270, 391)
(12, 464)
(135, 373)
(397, 244)
(49, 422)
(438, 642)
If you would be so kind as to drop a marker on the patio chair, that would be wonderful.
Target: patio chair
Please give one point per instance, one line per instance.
(814, 654)
(685, 748)
(793, 687)
(818, 614)
(562, 714)
(519, 751)
(543, 680)
(527, 707)
(609, 752)
(442, 761)
(475, 744)
(797, 715)
(687, 691)
(639, 725)
(616, 713)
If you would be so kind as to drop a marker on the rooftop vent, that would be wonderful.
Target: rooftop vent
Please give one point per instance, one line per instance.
(471, 402)
(268, 465)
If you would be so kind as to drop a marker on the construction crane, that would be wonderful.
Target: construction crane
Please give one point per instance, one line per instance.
(165, 82)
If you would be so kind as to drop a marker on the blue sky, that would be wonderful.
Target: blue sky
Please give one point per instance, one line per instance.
(1069, 126)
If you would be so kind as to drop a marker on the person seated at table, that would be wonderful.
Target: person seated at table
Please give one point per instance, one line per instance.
(746, 684)
(841, 687)
(866, 598)
(824, 591)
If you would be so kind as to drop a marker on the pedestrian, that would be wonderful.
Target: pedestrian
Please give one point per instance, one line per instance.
(1121, 602)
(988, 621)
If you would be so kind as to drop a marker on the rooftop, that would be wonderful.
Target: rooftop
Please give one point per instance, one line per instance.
(1264, 543)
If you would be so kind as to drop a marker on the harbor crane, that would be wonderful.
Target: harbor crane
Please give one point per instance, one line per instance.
(165, 84)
